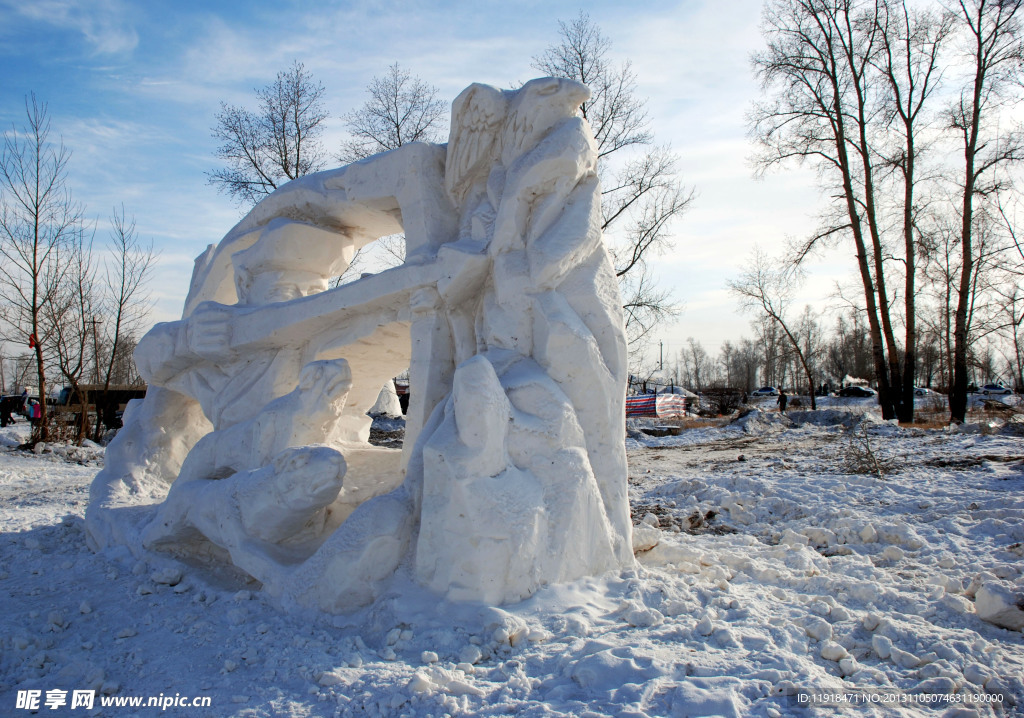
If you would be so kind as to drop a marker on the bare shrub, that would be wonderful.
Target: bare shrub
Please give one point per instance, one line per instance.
(862, 457)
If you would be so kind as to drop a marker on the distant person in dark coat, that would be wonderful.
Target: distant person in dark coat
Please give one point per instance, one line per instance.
(783, 400)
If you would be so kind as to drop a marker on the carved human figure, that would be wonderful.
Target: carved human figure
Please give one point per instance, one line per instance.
(289, 260)
(536, 361)
(263, 406)
(249, 513)
(253, 463)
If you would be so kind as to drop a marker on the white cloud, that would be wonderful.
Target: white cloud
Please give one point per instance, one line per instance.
(103, 23)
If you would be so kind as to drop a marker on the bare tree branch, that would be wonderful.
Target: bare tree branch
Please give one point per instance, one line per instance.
(401, 109)
(642, 195)
(767, 287)
(276, 143)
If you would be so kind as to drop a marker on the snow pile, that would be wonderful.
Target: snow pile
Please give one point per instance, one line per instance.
(389, 423)
(880, 574)
(635, 425)
(826, 417)
(1000, 602)
(1014, 426)
(759, 422)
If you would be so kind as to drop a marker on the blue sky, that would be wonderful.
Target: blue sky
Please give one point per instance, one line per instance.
(133, 87)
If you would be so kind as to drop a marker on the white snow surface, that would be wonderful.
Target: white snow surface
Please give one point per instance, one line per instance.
(778, 574)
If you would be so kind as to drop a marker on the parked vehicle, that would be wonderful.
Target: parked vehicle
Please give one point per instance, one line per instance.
(994, 390)
(402, 389)
(857, 392)
(924, 391)
(764, 391)
(112, 402)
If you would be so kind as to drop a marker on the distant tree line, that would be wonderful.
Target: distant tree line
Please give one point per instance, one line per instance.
(834, 348)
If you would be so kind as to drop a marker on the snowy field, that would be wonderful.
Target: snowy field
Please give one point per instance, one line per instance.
(794, 562)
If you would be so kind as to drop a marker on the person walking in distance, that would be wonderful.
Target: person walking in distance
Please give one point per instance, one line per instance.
(783, 400)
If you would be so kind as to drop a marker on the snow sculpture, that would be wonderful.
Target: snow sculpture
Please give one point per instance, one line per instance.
(388, 403)
(252, 444)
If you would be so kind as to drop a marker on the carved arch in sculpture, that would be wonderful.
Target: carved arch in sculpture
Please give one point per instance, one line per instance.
(345, 210)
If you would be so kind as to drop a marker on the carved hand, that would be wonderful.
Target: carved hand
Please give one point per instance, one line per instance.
(208, 331)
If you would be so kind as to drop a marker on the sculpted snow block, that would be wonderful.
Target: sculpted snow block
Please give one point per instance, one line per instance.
(252, 444)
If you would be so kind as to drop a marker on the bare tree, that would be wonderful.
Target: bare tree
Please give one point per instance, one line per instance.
(994, 40)
(694, 366)
(401, 109)
(767, 288)
(911, 42)
(70, 320)
(727, 360)
(770, 350)
(1012, 328)
(18, 369)
(811, 339)
(124, 304)
(746, 360)
(1010, 297)
(855, 85)
(818, 65)
(642, 194)
(943, 270)
(848, 353)
(91, 319)
(276, 143)
(39, 221)
(699, 363)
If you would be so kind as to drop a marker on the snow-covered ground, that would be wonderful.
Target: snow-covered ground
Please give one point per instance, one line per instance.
(816, 556)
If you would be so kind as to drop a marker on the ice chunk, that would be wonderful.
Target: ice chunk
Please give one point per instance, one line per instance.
(882, 646)
(904, 659)
(832, 651)
(169, 576)
(818, 628)
(1001, 604)
(645, 538)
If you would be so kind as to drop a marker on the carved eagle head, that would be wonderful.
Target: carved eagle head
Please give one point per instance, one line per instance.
(536, 109)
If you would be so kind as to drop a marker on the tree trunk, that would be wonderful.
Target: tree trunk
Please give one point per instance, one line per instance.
(856, 226)
(905, 412)
(958, 395)
(41, 431)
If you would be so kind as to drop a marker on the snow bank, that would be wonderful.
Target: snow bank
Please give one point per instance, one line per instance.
(756, 421)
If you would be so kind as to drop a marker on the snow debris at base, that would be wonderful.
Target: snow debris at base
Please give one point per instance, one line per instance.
(765, 571)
